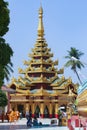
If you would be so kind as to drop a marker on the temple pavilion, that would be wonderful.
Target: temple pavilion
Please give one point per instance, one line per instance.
(41, 87)
(82, 99)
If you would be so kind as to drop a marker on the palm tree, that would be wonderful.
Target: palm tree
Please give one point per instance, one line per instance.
(74, 61)
(6, 51)
(5, 61)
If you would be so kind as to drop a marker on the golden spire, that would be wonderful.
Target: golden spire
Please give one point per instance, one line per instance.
(40, 24)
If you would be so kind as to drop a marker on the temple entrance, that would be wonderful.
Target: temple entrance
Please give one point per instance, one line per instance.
(20, 108)
(46, 112)
(37, 111)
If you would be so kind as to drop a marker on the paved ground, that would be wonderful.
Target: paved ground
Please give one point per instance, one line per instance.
(21, 125)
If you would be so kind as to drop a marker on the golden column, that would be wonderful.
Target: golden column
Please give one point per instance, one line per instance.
(27, 107)
(71, 95)
(56, 110)
(50, 110)
(33, 109)
(42, 110)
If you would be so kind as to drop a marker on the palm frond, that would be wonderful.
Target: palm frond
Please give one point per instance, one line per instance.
(67, 57)
(75, 62)
(69, 63)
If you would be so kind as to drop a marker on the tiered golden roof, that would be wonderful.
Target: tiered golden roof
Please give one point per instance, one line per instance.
(41, 70)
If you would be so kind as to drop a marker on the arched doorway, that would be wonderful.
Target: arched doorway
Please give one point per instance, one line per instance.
(20, 108)
(46, 112)
(37, 111)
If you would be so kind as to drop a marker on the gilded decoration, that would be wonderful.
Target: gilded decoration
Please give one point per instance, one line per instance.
(40, 84)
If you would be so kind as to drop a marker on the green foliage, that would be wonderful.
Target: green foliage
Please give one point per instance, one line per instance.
(5, 50)
(1, 76)
(5, 61)
(59, 112)
(5, 53)
(4, 17)
(74, 60)
(3, 99)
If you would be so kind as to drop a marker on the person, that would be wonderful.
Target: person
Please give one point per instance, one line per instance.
(2, 116)
(35, 121)
(64, 114)
(29, 121)
(60, 118)
(17, 115)
(21, 115)
(12, 115)
(7, 116)
(27, 114)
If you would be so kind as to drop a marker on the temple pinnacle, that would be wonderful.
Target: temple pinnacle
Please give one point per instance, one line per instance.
(40, 24)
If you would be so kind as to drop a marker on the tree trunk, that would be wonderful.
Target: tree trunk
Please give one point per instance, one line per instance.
(78, 76)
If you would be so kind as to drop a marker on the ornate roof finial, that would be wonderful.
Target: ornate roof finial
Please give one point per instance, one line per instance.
(40, 24)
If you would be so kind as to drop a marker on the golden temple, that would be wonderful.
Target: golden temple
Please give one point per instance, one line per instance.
(40, 90)
(82, 99)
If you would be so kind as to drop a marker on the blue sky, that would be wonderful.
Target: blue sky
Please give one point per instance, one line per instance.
(65, 24)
